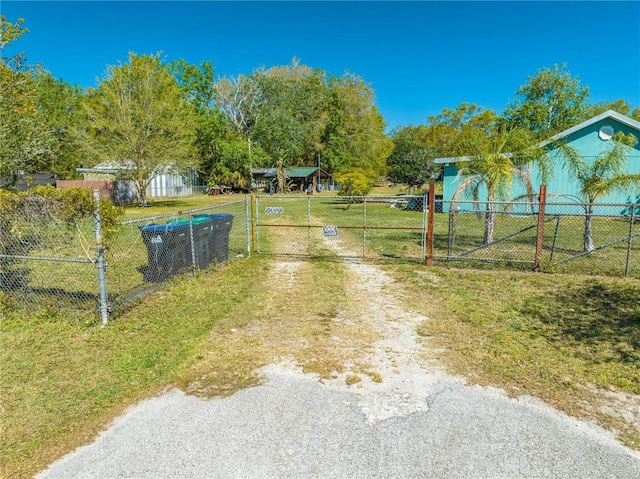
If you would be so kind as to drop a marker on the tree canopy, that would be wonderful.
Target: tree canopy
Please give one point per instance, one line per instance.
(25, 139)
(494, 161)
(137, 118)
(411, 161)
(551, 101)
(147, 116)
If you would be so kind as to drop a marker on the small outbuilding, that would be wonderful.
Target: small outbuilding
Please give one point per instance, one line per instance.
(167, 183)
(307, 179)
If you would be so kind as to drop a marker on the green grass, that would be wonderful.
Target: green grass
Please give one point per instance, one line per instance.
(566, 339)
(171, 205)
(62, 381)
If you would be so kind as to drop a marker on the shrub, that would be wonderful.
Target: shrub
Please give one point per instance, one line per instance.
(354, 182)
(39, 207)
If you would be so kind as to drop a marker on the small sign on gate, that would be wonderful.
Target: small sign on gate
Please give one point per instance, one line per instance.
(329, 231)
(274, 210)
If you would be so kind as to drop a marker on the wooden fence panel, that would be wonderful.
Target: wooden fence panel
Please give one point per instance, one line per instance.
(106, 188)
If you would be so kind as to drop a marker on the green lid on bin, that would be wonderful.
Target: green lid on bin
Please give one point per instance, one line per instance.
(199, 219)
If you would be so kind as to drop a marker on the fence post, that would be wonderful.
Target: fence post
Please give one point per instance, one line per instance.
(364, 227)
(253, 223)
(194, 264)
(451, 232)
(631, 221)
(542, 199)
(102, 283)
(308, 224)
(247, 224)
(431, 212)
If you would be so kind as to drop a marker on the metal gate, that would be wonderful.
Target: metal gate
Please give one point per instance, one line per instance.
(531, 235)
(374, 227)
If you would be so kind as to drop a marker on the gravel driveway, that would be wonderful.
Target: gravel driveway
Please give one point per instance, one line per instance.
(295, 427)
(416, 422)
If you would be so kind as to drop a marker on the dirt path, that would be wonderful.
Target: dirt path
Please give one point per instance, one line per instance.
(392, 411)
(403, 363)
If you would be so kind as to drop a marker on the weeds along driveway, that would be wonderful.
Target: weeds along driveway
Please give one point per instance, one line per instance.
(351, 391)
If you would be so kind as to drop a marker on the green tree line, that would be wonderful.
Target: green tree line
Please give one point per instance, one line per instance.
(150, 115)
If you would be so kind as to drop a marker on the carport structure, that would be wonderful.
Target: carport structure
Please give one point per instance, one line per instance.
(302, 178)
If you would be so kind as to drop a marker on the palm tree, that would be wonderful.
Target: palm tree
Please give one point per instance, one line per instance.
(607, 174)
(494, 161)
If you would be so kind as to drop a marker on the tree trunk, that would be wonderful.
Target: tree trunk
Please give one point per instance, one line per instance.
(588, 236)
(490, 222)
(141, 186)
(452, 230)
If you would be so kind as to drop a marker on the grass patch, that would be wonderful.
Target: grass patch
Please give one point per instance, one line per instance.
(163, 206)
(570, 340)
(64, 381)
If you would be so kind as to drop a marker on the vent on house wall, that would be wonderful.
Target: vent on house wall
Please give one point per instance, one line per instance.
(606, 132)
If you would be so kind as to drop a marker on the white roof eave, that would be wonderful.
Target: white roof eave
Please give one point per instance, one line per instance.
(625, 120)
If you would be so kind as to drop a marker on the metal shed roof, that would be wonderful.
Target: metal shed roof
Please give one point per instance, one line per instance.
(303, 172)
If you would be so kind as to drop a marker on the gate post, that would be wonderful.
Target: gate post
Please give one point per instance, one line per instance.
(542, 200)
(631, 221)
(247, 225)
(431, 211)
(252, 219)
(102, 282)
(309, 223)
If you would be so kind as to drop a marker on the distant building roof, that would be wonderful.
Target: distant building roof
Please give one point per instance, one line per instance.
(625, 120)
(303, 172)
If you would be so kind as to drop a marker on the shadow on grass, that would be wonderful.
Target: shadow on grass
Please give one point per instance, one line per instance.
(601, 321)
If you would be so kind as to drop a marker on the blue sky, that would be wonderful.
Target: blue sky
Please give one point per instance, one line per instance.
(419, 57)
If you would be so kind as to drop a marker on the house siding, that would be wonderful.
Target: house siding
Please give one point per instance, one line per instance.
(561, 187)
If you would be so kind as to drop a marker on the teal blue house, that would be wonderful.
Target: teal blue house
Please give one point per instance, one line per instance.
(589, 139)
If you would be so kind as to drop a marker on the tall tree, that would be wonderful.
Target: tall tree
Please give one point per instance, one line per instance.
(442, 130)
(302, 116)
(619, 106)
(25, 140)
(411, 161)
(606, 174)
(239, 99)
(551, 101)
(139, 120)
(355, 136)
(493, 161)
(60, 112)
(196, 82)
(223, 151)
(292, 111)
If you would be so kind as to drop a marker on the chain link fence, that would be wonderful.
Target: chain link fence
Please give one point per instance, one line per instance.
(61, 264)
(517, 235)
(46, 258)
(148, 251)
(568, 237)
(56, 265)
(328, 225)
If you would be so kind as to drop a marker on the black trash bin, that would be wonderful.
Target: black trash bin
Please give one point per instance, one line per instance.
(168, 249)
(219, 235)
(203, 230)
(169, 246)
